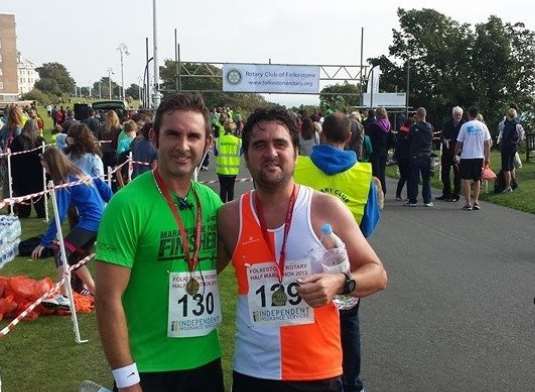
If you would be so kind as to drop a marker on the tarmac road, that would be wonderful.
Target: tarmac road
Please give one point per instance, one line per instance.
(459, 312)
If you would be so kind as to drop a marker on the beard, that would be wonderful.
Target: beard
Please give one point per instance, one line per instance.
(269, 181)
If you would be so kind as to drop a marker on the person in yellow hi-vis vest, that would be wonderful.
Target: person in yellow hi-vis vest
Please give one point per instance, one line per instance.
(331, 169)
(227, 153)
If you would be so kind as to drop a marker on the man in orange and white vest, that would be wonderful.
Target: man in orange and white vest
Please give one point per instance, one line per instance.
(288, 328)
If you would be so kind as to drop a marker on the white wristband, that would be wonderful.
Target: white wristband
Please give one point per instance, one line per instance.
(126, 376)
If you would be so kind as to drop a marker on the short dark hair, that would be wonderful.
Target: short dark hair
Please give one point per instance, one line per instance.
(185, 102)
(473, 111)
(277, 114)
(336, 127)
(145, 130)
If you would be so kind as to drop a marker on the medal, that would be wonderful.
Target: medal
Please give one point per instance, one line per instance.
(279, 297)
(192, 287)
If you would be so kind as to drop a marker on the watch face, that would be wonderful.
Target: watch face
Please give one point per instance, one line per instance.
(351, 285)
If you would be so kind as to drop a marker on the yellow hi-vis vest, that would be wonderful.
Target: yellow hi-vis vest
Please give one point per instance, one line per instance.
(227, 161)
(351, 186)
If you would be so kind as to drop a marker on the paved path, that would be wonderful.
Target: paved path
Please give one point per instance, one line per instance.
(459, 312)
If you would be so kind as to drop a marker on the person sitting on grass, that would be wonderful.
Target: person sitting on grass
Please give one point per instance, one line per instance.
(89, 198)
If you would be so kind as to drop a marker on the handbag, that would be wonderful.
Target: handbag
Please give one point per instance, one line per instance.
(488, 174)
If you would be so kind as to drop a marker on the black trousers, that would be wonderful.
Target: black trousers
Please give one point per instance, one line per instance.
(404, 172)
(447, 166)
(24, 209)
(420, 166)
(226, 187)
(379, 167)
(207, 378)
(350, 333)
(243, 383)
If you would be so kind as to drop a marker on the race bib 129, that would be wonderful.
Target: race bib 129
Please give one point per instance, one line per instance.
(275, 304)
(193, 312)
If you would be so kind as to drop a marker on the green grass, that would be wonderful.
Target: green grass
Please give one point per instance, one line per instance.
(521, 199)
(42, 356)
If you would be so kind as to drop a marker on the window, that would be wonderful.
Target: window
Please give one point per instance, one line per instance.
(1, 72)
(0, 57)
(1, 85)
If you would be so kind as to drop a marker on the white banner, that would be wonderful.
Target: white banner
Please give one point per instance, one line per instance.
(269, 78)
(384, 99)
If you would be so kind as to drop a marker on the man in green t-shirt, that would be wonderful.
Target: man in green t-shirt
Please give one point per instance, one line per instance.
(157, 297)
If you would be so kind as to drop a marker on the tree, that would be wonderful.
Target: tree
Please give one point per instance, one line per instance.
(245, 101)
(101, 88)
(55, 72)
(48, 86)
(489, 65)
(85, 91)
(133, 91)
(329, 100)
(37, 95)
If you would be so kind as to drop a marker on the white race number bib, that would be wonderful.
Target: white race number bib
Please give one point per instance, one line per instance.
(197, 314)
(274, 304)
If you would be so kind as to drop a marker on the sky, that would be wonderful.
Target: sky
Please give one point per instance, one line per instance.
(85, 38)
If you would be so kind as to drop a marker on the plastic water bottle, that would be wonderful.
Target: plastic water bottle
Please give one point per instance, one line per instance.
(91, 386)
(336, 260)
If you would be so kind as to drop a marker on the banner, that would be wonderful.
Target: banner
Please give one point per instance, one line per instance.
(267, 78)
(384, 99)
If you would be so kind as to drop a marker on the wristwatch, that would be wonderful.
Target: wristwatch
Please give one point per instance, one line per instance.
(350, 284)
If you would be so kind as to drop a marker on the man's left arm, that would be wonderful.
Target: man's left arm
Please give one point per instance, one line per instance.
(366, 267)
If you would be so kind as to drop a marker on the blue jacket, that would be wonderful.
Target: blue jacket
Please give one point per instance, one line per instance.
(332, 160)
(88, 199)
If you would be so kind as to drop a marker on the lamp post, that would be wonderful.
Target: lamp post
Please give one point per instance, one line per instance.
(156, 96)
(123, 49)
(110, 72)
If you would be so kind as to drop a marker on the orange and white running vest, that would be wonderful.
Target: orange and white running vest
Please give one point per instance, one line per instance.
(291, 342)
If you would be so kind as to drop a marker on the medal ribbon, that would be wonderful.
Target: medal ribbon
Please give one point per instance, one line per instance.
(287, 224)
(192, 261)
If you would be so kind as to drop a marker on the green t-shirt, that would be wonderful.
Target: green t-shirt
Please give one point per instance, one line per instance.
(139, 231)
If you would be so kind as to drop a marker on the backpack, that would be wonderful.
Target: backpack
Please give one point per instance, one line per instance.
(511, 135)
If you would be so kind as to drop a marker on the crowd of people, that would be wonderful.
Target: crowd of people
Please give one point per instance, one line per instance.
(163, 238)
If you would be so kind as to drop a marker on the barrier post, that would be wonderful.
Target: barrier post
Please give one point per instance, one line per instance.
(65, 266)
(43, 145)
(130, 166)
(10, 182)
(110, 173)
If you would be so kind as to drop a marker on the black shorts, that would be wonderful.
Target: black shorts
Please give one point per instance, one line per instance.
(78, 244)
(207, 378)
(508, 159)
(243, 383)
(471, 169)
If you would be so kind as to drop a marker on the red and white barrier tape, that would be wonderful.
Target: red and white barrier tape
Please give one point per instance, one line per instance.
(14, 200)
(238, 180)
(23, 152)
(3, 154)
(38, 301)
(143, 163)
(116, 168)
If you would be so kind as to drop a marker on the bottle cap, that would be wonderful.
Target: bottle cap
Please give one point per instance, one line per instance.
(326, 229)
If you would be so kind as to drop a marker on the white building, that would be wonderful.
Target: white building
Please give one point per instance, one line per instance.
(27, 74)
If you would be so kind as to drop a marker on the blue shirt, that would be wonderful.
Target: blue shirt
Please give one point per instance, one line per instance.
(89, 199)
(90, 164)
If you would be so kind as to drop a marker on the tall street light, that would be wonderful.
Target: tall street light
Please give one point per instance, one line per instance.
(110, 72)
(156, 96)
(123, 49)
